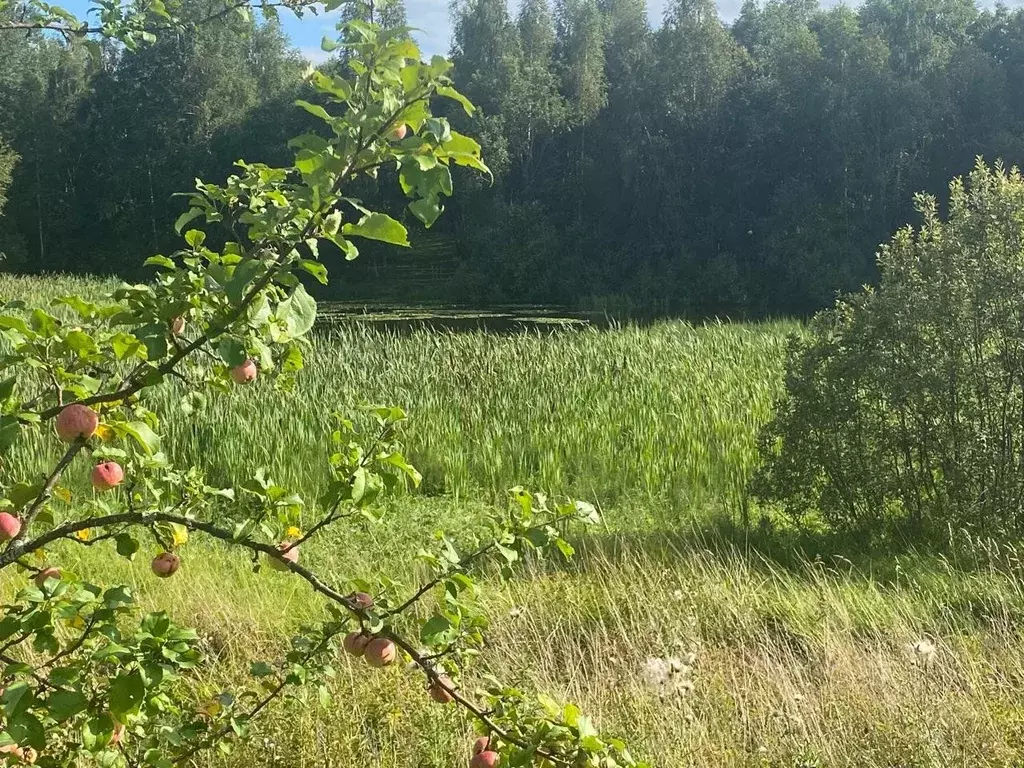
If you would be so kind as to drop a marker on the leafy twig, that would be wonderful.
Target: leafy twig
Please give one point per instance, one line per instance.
(348, 602)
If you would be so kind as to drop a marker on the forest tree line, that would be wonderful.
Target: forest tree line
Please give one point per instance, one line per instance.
(696, 167)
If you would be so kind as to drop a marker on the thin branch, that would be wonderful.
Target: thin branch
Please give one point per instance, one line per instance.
(463, 564)
(439, 654)
(129, 387)
(93, 621)
(16, 641)
(333, 515)
(33, 511)
(90, 542)
(57, 391)
(485, 718)
(348, 602)
(184, 379)
(426, 587)
(370, 166)
(37, 677)
(259, 707)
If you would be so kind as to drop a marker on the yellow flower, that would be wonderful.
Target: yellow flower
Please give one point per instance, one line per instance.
(82, 535)
(293, 533)
(179, 533)
(105, 433)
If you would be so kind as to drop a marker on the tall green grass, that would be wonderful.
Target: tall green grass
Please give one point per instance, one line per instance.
(665, 414)
(800, 659)
(664, 417)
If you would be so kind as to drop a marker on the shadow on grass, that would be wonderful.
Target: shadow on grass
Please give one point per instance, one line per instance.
(930, 588)
(799, 552)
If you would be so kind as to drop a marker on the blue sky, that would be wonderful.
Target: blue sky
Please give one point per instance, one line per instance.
(428, 16)
(431, 18)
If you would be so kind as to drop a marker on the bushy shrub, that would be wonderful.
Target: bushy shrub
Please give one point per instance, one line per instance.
(904, 404)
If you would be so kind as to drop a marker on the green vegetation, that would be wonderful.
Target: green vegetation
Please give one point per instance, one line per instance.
(696, 169)
(800, 657)
(677, 430)
(805, 665)
(700, 167)
(7, 162)
(904, 403)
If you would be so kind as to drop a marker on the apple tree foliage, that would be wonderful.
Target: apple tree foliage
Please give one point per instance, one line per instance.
(86, 679)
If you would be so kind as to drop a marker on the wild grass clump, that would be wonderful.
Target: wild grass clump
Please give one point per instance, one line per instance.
(663, 417)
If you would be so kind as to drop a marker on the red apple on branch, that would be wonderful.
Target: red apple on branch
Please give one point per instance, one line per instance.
(245, 373)
(106, 476)
(50, 572)
(485, 759)
(76, 421)
(165, 564)
(10, 526)
(380, 652)
(288, 552)
(355, 643)
(440, 690)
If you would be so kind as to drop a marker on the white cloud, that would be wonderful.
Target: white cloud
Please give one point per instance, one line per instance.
(430, 19)
(314, 54)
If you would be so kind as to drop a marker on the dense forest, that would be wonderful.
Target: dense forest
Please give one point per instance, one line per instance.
(700, 168)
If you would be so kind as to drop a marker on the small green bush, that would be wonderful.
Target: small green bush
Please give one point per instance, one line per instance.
(904, 404)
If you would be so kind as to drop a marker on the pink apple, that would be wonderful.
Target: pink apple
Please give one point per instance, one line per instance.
(398, 132)
(76, 421)
(244, 373)
(165, 564)
(355, 643)
(486, 759)
(363, 600)
(10, 526)
(177, 325)
(107, 475)
(380, 652)
(288, 552)
(440, 690)
(481, 744)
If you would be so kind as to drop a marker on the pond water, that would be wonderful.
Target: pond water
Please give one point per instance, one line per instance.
(502, 319)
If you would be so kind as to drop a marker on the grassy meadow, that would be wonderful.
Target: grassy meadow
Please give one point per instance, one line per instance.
(801, 652)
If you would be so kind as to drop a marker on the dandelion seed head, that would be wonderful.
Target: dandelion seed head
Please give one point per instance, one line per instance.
(923, 651)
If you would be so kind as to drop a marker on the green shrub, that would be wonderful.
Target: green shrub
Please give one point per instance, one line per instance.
(904, 404)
